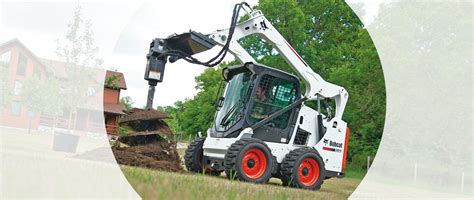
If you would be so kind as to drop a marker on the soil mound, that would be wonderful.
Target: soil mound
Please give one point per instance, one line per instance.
(160, 155)
(150, 144)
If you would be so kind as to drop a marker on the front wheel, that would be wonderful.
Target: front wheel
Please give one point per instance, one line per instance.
(194, 158)
(249, 160)
(303, 168)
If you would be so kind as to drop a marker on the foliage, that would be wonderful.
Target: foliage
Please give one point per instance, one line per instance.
(78, 47)
(112, 82)
(78, 50)
(127, 102)
(334, 42)
(123, 131)
(43, 96)
(196, 114)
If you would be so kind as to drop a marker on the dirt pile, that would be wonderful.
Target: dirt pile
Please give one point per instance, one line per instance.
(150, 144)
(161, 155)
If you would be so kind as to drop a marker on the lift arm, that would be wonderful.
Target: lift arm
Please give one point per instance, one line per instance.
(316, 86)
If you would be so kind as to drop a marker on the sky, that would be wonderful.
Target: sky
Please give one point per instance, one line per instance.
(123, 31)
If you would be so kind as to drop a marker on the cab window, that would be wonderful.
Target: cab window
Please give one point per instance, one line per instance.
(271, 95)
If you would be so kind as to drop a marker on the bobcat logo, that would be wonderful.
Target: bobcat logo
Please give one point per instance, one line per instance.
(325, 141)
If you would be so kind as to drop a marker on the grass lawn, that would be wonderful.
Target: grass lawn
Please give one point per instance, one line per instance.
(151, 184)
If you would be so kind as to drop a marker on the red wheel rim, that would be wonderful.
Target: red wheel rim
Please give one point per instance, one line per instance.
(254, 163)
(308, 171)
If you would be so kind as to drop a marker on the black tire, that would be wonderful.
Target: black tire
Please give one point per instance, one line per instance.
(259, 159)
(193, 158)
(313, 176)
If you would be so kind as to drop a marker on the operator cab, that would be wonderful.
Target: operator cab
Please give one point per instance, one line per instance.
(252, 93)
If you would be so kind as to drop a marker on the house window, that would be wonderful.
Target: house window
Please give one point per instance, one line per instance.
(17, 88)
(5, 59)
(16, 109)
(21, 67)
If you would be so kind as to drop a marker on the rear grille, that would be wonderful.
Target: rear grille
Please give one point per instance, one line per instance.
(301, 137)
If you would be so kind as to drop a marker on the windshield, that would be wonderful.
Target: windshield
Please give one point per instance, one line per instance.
(234, 101)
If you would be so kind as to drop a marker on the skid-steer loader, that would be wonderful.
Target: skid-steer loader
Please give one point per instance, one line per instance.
(262, 127)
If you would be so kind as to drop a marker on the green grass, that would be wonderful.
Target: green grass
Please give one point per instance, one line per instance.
(152, 184)
(355, 173)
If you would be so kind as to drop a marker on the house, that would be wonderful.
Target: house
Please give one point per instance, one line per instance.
(19, 63)
(113, 109)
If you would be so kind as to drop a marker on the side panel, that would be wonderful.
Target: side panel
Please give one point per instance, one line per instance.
(307, 121)
(217, 147)
(332, 145)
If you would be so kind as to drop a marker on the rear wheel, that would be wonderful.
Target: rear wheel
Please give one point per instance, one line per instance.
(303, 168)
(249, 160)
(194, 158)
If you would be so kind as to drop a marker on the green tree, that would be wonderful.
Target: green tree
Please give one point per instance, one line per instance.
(174, 112)
(78, 50)
(127, 102)
(42, 96)
(199, 111)
(334, 42)
(78, 46)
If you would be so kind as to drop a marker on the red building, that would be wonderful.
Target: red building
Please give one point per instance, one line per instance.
(113, 109)
(19, 63)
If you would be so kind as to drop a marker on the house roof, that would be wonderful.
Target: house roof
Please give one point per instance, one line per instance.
(121, 79)
(56, 68)
(26, 50)
(114, 108)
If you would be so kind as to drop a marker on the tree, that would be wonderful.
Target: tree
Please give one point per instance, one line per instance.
(78, 50)
(335, 43)
(127, 102)
(78, 46)
(174, 114)
(431, 50)
(42, 96)
(199, 111)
